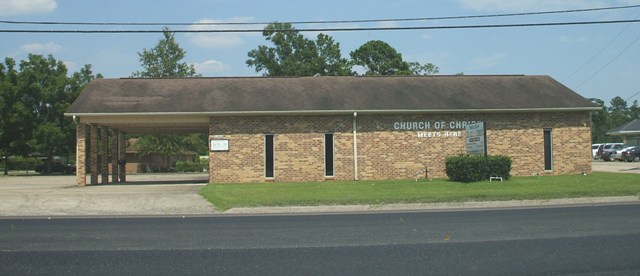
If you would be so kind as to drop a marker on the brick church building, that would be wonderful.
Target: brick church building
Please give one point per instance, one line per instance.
(339, 128)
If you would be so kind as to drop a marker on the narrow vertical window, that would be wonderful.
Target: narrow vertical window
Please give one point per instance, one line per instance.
(268, 156)
(328, 154)
(548, 150)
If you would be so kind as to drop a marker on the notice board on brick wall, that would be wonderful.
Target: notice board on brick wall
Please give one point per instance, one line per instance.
(476, 138)
(219, 145)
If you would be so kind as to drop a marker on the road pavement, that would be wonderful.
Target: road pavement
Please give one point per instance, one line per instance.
(592, 240)
(177, 195)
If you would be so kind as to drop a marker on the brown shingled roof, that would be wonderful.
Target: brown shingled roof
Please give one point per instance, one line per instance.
(184, 105)
(325, 95)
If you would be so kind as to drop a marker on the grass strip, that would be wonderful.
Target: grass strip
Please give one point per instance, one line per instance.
(226, 196)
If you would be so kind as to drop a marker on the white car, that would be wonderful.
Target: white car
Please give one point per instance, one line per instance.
(594, 150)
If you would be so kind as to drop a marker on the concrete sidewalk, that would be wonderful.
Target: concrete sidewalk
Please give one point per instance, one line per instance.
(444, 206)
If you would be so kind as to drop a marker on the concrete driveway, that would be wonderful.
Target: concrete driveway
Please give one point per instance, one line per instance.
(160, 194)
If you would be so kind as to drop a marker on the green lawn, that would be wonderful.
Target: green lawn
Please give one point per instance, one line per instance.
(226, 196)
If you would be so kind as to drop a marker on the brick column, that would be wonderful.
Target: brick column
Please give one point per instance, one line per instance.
(81, 154)
(93, 154)
(104, 155)
(114, 156)
(122, 151)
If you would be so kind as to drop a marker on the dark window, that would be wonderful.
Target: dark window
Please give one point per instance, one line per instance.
(328, 154)
(548, 153)
(268, 155)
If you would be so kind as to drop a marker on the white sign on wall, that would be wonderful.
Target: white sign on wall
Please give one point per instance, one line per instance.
(219, 145)
(476, 138)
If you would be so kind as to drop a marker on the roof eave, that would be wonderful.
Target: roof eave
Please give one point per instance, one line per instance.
(340, 112)
(622, 132)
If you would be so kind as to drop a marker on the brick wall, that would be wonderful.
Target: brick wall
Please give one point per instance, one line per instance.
(385, 152)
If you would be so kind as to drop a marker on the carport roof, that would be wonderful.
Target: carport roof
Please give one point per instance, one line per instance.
(632, 127)
(184, 105)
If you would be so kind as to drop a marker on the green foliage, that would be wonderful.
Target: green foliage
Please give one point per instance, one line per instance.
(379, 58)
(476, 168)
(170, 145)
(423, 69)
(23, 163)
(618, 112)
(198, 166)
(33, 100)
(163, 61)
(611, 117)
(295, 55)
(600, 122)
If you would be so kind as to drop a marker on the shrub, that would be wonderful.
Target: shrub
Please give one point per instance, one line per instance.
(475, 168)
(185, 166)
(24, 163)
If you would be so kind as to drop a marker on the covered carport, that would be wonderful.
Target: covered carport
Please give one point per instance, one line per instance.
(630, 132)
(107, 131)
(104, 113)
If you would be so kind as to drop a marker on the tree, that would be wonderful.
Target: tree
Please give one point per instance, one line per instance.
(600, 122)
(170, 145)
(164, 60)
(11, 111)
(295, 55)
(33, 100)
(379, 58)
(43, 82)
(619, 112)
(634, 110)
(423, 69)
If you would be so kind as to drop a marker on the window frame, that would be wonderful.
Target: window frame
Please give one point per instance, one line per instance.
(329, 169)
(269, 163)
(548, 149)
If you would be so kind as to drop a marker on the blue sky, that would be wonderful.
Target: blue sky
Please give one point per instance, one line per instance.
(599, 61)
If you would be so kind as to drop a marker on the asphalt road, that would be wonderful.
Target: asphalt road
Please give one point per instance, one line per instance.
(571, 240)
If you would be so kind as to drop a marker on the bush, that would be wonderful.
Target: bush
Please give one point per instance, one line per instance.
(185, 166)
(24, 163)
(475, 168)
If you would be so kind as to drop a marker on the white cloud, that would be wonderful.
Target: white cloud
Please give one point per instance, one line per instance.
(388, 24)
(22, 7)
(211, 67)
(529, 5)
(71, 66)
(221, 40)
(570, 39)
(488, 62)
(39, 48)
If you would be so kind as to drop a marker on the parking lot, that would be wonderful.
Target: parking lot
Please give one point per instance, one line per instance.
(616, 166)
(146, 194)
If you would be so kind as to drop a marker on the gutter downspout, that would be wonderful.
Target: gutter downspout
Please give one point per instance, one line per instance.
(355, 147)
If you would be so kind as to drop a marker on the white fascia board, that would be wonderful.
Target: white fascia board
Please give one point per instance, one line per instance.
(338, 112)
